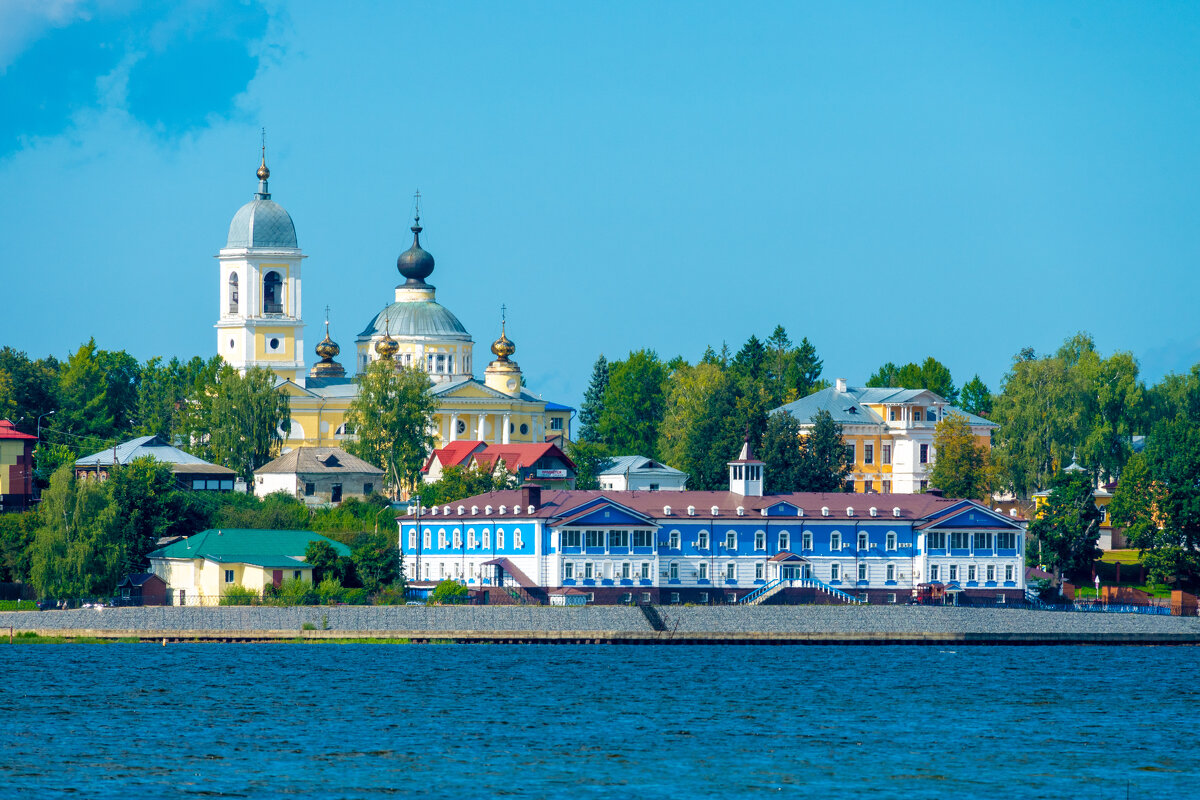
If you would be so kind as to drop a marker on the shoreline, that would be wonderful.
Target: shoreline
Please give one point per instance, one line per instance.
(751, 638)
(614, 625)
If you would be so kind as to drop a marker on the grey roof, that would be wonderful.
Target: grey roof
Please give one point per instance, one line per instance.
(445, 387)
(318, 460)
(262, 223)
(850, 407)
(152, 446)
(416, 318)
(624, 464)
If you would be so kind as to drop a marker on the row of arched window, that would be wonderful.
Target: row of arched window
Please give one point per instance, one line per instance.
(272, 293)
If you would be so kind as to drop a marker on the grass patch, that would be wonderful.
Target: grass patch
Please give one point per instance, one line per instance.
(18, 605)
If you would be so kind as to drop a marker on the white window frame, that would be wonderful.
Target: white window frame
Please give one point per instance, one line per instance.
(702, 571)
(702, 540)
(760, 540)
(730, 540)
(806, 541)
(891, 572)
(835, 572)
(890, 540)
(835, 541)
(731, 571)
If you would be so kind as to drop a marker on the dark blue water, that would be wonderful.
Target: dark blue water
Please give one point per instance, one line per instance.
(454, 721)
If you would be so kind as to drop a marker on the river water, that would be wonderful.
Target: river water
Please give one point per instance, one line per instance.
(449, 721)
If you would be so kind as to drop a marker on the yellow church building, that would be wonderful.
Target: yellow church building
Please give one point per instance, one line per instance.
(260, 324)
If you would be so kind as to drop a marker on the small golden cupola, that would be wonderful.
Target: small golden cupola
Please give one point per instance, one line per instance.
(387, 347)
(503, 374)
(328, 350)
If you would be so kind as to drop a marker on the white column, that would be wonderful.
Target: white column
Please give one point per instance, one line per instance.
(504, 430)
(479, 428)
(453, 427)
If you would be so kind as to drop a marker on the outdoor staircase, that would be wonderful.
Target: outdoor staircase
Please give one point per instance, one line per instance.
(762, 593)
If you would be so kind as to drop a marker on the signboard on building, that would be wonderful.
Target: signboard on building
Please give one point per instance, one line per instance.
(551, 473)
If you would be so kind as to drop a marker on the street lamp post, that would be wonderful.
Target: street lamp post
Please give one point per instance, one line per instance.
(415, 507)
(39, 433)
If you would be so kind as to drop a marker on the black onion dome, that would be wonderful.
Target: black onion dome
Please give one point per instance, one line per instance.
(415, 263)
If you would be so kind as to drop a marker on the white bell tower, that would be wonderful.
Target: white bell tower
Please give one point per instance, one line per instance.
(259, 322)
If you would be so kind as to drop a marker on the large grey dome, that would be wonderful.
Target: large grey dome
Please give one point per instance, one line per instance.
(262, 223)
(421, 318)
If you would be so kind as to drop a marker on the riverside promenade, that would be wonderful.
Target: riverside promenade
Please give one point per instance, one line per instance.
(813, 624)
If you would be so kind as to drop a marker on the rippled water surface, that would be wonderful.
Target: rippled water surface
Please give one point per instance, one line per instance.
(333, 721)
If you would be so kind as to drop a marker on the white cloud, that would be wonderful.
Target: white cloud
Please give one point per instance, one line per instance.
(23, 22)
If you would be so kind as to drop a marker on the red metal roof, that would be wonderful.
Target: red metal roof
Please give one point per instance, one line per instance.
(454, 454)
(9, 431)
(520, 455)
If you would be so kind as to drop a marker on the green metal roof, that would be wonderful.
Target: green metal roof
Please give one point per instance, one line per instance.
(264, 548)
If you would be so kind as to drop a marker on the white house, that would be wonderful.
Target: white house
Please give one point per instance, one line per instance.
(641, 474)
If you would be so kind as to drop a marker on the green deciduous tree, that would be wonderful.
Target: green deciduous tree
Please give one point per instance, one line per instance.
(590, 459)
(1067, 526)
(961, 467)
(241, 419)
(459, 482)
(393, 419)
(633, 404)
(1158, 500)
(68, 557)
(142, 507)
(1075, 404)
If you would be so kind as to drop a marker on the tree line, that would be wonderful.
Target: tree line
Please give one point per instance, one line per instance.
(87, 534)
(97, 398)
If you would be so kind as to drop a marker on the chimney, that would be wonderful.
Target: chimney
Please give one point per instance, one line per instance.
(531, 495)
(841, 385)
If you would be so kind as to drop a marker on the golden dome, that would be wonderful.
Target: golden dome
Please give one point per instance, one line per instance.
(327, 348)
(387, 347)
(263, 172)
(503, 347)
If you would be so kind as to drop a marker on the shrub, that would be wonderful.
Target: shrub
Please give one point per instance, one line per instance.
(240, 596)
(330, 591)
(449, 593)
(295, 592)
(355, 597)
(389, 596)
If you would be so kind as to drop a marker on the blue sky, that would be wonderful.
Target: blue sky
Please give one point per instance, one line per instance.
(890, 180)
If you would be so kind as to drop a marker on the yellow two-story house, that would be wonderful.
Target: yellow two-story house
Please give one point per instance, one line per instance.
(888, 432)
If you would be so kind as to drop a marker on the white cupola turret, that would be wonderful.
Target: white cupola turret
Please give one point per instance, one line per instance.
(746, 472)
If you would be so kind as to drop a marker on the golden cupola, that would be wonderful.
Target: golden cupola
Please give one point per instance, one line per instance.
(328, 350)
(503, 374)
(387, 347)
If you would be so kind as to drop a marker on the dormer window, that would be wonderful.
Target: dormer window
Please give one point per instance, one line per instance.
(272, 293)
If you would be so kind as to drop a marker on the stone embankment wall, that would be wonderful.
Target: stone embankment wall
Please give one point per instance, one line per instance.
(617, 623)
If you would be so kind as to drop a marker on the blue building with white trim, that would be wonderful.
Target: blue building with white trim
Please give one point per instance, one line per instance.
(716, 547)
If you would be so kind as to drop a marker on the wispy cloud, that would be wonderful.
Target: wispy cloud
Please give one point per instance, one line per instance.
(172, 68)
